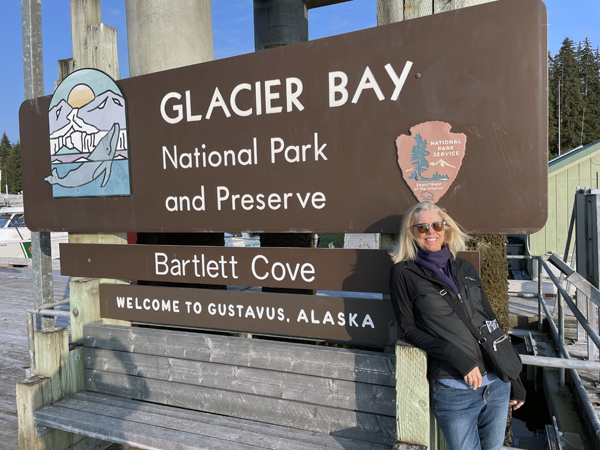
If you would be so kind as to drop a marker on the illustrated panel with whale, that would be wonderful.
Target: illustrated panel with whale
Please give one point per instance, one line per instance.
(88, 137)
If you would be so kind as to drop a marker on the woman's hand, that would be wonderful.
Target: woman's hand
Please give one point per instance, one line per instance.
(473, 378)
(516, 404)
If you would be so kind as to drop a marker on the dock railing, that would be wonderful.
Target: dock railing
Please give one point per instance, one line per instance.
(564, 360)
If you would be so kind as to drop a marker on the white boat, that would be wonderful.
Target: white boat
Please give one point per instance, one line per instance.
(242, 240)
(15, 237)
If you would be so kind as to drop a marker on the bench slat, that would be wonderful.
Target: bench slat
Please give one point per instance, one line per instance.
(328, 362)
(147, 437)
(274, 431)
(203, 425)
(309, 389)
(356, 425)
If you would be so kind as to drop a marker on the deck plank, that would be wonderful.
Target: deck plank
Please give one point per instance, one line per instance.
(16, 296)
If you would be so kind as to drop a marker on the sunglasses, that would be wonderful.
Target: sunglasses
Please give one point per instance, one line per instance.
(424, 227)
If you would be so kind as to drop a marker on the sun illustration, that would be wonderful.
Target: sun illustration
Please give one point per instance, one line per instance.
(80, 95)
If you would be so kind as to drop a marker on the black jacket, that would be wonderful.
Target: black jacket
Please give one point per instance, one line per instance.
(427, 321)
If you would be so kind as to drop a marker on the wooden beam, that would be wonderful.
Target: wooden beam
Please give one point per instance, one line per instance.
(182, 374)
(85, 299)
(53, 361)
(32, 394)
(85, 306)
(339, 363)
(76, 370)
(412, 395)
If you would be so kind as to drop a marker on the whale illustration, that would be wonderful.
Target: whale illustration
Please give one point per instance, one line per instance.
(99, 161)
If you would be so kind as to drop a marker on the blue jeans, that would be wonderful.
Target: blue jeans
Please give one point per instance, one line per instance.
(472, 420)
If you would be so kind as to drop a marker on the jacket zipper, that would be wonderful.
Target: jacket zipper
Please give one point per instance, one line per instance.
(467, 302)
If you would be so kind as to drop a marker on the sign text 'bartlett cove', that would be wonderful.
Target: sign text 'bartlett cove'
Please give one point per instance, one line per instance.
(340, 134)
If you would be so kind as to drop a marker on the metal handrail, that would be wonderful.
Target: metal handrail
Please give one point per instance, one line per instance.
(580, 317)
(559, 333)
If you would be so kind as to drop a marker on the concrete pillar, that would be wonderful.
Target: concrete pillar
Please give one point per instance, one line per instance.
(94, 43)
(279, 22)
(33, 63)
(102, 49)
(33, 78)
(84, 13)
(163, 34)
(391, 11)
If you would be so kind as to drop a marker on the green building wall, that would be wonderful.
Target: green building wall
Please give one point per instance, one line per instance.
(578, 168)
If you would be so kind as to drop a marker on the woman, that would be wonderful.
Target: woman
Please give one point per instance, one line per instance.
(470, 401)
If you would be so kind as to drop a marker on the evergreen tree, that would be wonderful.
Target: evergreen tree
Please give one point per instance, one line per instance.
(13, 170)
(419, 157)
(571, 98)
(5, 148)
(552, 107)
(589, 72)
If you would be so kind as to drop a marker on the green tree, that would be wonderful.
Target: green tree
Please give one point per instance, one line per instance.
(570, 101)
(5, 148)
(589, 73)
(418, 157)
(553, 77)
(12, 168)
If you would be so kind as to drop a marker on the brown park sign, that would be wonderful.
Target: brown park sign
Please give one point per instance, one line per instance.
(346, 319)
(297, 268)
(339, 316)
(305, 137)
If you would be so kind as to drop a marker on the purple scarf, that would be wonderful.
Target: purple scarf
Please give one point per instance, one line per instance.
(438, 263)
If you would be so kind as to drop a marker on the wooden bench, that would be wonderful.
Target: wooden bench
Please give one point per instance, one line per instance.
(164, 389)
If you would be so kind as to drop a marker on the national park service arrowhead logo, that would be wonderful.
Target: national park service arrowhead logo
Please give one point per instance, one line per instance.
(430, 159)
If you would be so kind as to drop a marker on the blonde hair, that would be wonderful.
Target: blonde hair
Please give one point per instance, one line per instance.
(406, 249)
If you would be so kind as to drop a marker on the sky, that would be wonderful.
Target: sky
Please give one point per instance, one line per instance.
(232, 35)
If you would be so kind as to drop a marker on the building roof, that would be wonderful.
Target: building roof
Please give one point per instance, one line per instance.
(572, 156)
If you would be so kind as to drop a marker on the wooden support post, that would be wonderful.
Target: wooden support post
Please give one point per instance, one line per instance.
(32, 394)
(85, 303)
(52, 383)
(412, 396)
(85, 306)
(51, 359)
(416, 426)
(76, 370)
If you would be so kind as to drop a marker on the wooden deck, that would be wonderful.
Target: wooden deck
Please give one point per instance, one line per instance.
(528, 307)
(16, 296)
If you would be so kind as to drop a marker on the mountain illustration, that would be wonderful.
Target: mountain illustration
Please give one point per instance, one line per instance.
(58, 116)
(75, 124)
(106, 109)
(442, 163)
